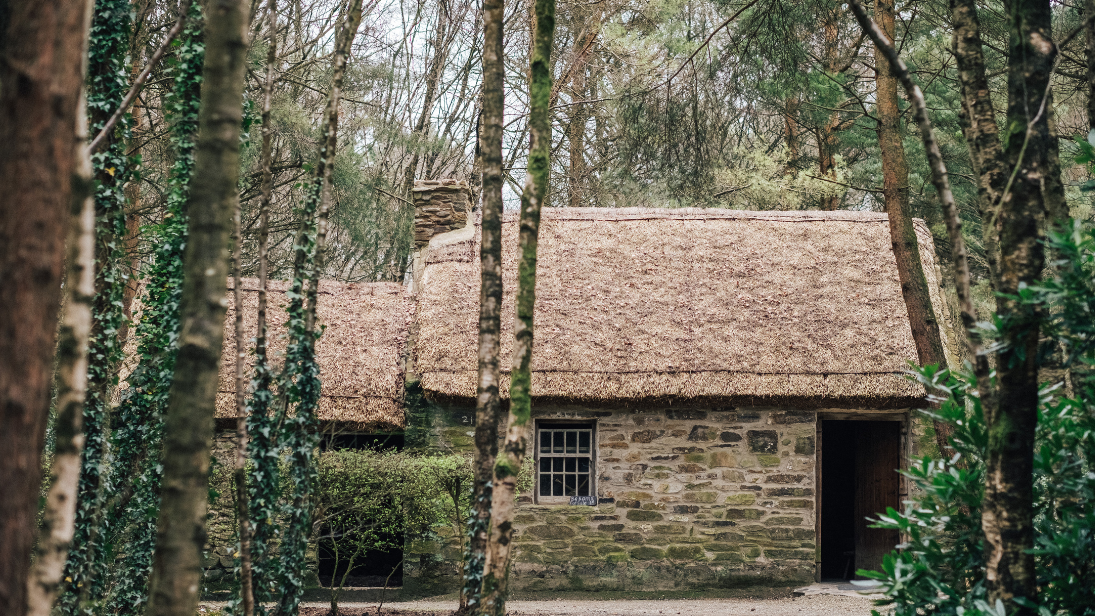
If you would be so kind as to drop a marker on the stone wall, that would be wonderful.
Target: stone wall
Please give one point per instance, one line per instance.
(688, 498)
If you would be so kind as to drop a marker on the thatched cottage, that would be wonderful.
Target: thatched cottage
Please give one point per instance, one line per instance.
(719, 395)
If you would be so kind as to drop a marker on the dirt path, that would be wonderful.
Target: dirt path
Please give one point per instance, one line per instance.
(815, 605)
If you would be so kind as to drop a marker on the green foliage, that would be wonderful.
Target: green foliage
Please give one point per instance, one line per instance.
(939, 569)
(107, 83)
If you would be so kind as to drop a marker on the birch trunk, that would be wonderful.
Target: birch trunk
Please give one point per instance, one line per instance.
(59, 518)
(43, 44)
(488, 406)
(537, 182)
(188, 432)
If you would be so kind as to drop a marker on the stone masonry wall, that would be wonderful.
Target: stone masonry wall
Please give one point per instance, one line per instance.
(439, 206)
(688, 498)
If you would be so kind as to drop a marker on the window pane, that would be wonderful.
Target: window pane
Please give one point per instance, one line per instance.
(583, 485)
(545, 442)
(572, 442)
(583, 465)
(558, 464)
(545, 465)
(570, 481)
(545, 485)
(583, 442)
(557, 485)
(571, 465)
(558, 443)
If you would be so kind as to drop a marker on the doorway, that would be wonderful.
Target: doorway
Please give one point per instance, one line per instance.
(858, 479)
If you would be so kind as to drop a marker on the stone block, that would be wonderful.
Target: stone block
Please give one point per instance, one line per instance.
(797, 503)
(730, 437)
(766, 459)
(763, 441)
(723, 459)
(603, 518)
(786, 491)
(804, 445)
(734, 557)
(745, 417)
(696, 458)
(741, 499)
(610, 528)
(733, 476)
(785, 478)
(686, 509)
(583, 551)
(628, 538)
(670, 529)
(703, 434)
(640, 496)
(792, 418)
(525, 518)
(744, 514)
(750, 551)
(557, 545)
(731, 537)
(691, 468)
(553, 531)
(647, 553)
(701, 497)
(685, 552)
(683, 450)
(697, 486)
(610, 548)
(627, 504)
(641, 515)
(654, 506)
(782, 520)
(792, 534)
(646, 436)
(686, 414)
(617, 558)
(783, 554)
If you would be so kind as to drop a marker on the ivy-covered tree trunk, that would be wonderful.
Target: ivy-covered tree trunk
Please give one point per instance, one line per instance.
(535, 193)
(43, 46)
(58, 516)
(106, 86)
(262, 450)
(176, 574)
(1089, 36)
(488, 404)
(895, 190)
(300, 384)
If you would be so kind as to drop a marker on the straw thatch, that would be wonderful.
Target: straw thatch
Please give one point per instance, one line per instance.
(677, 305)
(360, 352)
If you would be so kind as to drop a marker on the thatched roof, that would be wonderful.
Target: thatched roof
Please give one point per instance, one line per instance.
(360, 352)
(676, 305)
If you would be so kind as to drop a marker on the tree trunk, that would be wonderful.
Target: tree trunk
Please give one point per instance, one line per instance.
(1089, 35)
(243, 514)
(188, 433)
(537, 183)
(827, 143)
(43, 46)
(59, 516)
(906, 248)
(488, 405)
(433, 76)
(1007, 512)
(262, 447)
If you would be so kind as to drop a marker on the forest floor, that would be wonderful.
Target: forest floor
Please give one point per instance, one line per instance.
(758, 604)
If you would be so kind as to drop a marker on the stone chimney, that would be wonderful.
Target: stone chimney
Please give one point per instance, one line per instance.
(440, 206)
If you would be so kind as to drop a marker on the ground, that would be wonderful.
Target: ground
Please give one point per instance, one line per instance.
(819, 601)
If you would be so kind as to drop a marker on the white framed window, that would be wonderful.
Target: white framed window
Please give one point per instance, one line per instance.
(565, 461)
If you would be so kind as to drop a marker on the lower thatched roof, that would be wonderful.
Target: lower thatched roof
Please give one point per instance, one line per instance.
(640, 304)
(360, 352)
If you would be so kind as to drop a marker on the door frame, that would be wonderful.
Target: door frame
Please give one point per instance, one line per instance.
(905, 448)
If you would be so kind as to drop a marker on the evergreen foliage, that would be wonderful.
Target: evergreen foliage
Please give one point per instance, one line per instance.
(939, 569)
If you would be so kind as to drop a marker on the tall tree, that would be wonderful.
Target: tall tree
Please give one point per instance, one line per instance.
(535, 193)
(176, 573)
(488, 404)
(43, 45)
(895, 194)
(58, 516)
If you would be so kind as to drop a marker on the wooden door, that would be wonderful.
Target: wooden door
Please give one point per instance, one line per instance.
(878, 456)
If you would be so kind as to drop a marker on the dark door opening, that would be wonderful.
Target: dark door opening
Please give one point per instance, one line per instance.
(335, 550)
(859, 480)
